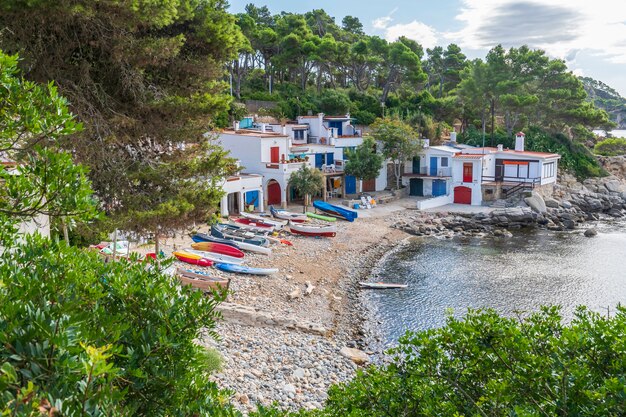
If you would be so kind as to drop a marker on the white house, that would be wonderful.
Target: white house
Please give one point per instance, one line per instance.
(470, 175)
(275, 151)
(339, 133)
(242, 191)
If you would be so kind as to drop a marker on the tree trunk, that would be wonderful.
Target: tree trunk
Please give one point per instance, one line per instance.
(114, 244)
(66, 235)
(156, 243)
(493, 119)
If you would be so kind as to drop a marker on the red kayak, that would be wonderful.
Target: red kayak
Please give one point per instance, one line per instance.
(253, 223)
(220, 248)
(192, 259)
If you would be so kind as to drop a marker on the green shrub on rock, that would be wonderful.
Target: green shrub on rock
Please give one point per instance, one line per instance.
(611, 147)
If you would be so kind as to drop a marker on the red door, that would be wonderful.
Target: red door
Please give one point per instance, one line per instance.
(369, 185)
(274, 151)
(468, 168)
(273, 193)
(463, 195)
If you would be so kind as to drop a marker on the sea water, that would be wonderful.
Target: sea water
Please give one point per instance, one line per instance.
(512, 275)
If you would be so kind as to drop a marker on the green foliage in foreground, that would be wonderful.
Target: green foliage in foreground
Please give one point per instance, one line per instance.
(611, 147)
(488, 365)
(93, 339)
(364, 162)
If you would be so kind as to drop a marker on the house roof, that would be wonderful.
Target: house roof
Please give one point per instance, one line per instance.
(253, 133)
(468, 156)
(444, 148)
(543, 155)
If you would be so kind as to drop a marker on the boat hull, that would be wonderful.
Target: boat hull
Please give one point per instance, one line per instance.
(240, 269)
(314, 230)
(192, 259)
(321, 217)
(216, 257)
(381, 285)
(254, 225)
(218, 248)
(201, 281)
(336, 211)
(287, 215)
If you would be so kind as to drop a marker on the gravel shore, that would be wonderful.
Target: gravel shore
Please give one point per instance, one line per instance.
(270, 364)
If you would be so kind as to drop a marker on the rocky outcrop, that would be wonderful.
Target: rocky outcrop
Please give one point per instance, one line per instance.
(614, 165)
(573, 205)
(251, 316)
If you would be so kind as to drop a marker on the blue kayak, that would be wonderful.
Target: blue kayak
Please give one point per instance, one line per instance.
(337, 211)
(241, 269)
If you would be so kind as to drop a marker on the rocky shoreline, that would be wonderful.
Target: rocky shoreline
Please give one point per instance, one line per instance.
(572, 205)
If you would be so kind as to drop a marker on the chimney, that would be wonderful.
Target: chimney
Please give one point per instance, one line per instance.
(453, 137)
(519, 142)
(320, 116)
(500, 148)
(262, 127)
(284, 130)
(236, 126)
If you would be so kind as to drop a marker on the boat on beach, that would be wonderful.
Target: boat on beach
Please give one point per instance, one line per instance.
(257, 226)
(192, 258)
(245, 240)
(288, 215)
(241, 269)
(337, 211)
(218, 248)
(381, 285)
(215, 257)
(321, 217)
(325, 230)
(265, 218)
(202, 281)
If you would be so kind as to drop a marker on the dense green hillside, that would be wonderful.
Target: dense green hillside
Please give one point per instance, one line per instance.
(606, 98)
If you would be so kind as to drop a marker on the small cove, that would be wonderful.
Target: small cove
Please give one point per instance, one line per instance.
(512, 275)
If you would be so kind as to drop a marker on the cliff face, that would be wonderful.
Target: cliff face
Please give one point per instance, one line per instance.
(606, 98)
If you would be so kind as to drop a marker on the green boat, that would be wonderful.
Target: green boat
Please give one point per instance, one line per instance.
(320, 217)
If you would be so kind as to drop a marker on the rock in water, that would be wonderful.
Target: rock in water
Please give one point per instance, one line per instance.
(355, 355)
(591, 232)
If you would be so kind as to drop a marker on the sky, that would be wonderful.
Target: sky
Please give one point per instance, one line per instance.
(590, 35)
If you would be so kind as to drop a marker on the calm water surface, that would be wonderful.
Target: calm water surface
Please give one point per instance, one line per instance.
(510, 275)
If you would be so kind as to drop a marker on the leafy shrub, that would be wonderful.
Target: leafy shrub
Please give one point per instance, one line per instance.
(575, 157)
(93, 339)
(488, 365)
(611, 147)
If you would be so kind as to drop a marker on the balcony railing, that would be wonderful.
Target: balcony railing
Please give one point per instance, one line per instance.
(439, 172)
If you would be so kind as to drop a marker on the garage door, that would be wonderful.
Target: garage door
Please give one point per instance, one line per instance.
(463, 195)
(439, 188)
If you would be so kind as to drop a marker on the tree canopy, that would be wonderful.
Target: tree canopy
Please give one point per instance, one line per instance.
(307, 181)
(144, 78)
(365, 161)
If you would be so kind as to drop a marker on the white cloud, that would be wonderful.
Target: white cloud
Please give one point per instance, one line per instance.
(579, 72)
(560, 27)
(424, 34)
(382, 22)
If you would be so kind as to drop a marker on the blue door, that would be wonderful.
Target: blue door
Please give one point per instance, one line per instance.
(319, 160)
(252, 198)
(433, 166)
(416, 187)
(330, 158)
(439, 188)
(350, 184)
(338, 126)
